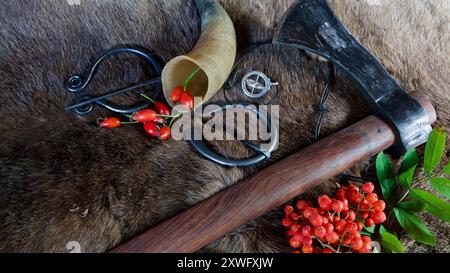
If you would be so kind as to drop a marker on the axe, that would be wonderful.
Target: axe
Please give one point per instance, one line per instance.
(400, 122)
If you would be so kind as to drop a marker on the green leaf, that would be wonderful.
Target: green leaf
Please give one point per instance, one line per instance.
(365, 233)
(385, 174)
(414, 227)
(434, 149)
(442, 185)
(446, 170)
(409, 164)
(413, 205)
(435, 205)
(383, 229)
(384, 167)
(370, 229)
(389, 242)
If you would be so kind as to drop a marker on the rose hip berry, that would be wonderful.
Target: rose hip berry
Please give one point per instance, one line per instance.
(153, 120)
(164, 132)
(176, 94)
(110, 123)
(146, 115)
(151, 129)
(187, 100)
(162, 108)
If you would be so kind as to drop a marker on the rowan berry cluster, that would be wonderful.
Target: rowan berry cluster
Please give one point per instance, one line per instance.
(336, 224)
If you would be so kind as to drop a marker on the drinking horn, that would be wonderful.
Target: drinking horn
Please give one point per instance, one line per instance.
(214, 55)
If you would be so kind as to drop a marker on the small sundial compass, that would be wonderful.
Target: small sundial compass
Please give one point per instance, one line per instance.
(256, 84)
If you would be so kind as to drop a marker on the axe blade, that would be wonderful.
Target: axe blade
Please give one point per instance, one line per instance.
(311, 25)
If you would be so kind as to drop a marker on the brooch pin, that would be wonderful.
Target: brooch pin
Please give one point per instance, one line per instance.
(78, 83)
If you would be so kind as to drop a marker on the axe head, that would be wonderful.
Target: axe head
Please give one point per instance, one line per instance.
(311, 25)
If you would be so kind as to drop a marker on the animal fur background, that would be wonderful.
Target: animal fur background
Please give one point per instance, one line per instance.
(64, 179)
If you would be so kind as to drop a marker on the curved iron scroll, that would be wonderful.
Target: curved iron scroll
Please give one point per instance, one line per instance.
(77, 83)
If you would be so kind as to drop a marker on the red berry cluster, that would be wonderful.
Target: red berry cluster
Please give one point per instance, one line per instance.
(335, 225)
(154, 120)
(182, 95)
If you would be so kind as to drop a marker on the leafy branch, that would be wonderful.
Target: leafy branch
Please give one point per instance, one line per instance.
(405, 200)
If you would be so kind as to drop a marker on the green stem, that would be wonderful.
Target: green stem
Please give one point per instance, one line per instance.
(327, 246)
(171, 122)
(186, 81)
(420, 181)
(340, 241)
(175, 118)
(131, 122)
(365, 210)
(330, 216)
(166, 116)
(359, 204)
(411, 188)
(147, 97)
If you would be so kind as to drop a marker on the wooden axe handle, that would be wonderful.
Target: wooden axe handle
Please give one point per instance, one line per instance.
(271, 187)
